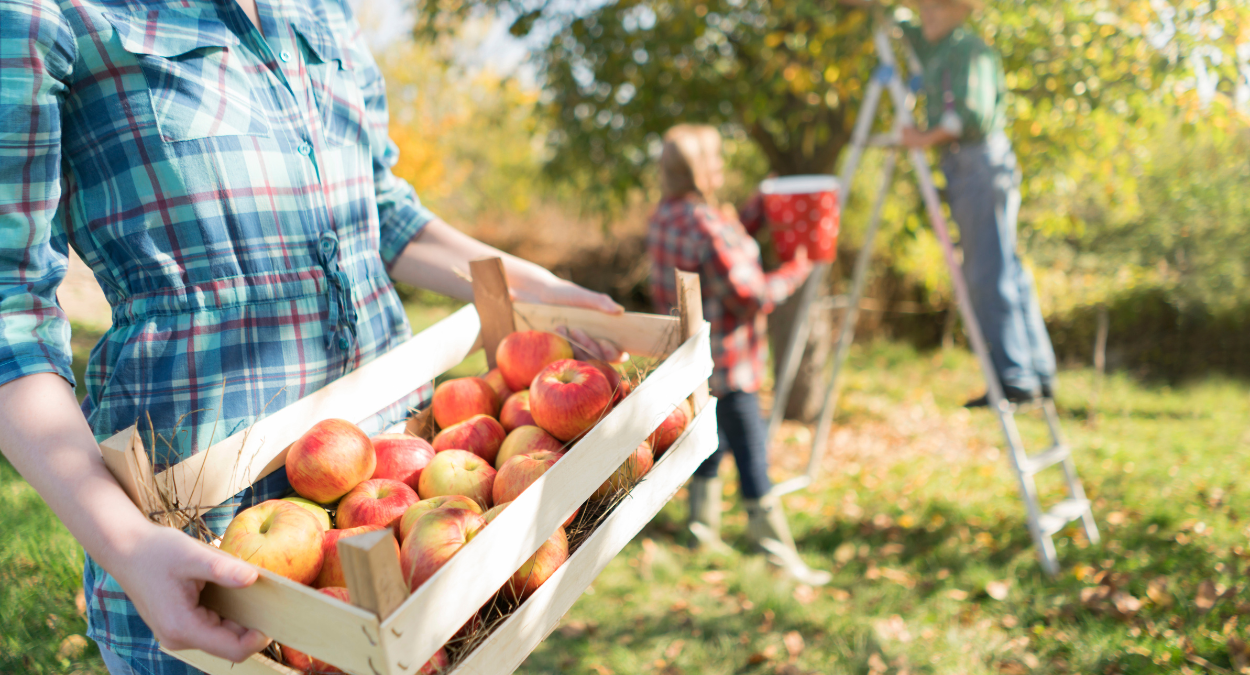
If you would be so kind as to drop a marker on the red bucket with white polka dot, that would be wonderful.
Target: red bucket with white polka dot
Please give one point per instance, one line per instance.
(803, 210)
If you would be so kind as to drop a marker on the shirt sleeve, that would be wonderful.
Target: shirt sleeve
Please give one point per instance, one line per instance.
(401, 215)
(37, 53)
(732, 259)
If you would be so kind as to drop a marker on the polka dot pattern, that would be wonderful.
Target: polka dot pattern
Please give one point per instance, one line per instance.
(809, 219)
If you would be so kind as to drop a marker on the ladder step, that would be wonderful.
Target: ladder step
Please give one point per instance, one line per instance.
(1061, 514)
(1045, 459)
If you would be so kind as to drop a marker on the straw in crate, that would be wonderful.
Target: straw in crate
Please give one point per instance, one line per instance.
(387, 631)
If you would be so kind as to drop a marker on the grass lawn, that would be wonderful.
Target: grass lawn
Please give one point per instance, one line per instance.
(919, 518)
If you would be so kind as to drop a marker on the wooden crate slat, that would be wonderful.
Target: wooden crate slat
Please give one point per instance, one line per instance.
(302, 618)
(211, 477)
(512, 641)
(214, 665)
(413, 633)
(639, 334)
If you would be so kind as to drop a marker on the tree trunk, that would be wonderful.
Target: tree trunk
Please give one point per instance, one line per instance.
(807, 392)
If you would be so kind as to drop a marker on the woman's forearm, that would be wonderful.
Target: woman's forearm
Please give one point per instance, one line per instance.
(45, 436)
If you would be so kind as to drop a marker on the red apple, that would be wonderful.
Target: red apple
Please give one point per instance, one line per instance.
(521, 355)
(620, 386)
(378, 501)
(332, 567)
(314, 508)
(426, 505)
(516, 411)
(634, 468)
(525, 440)
(494, 511)
(330, 459)
(279, 536)
(434, 539)
(401, 457)
(495, 379)
(569, 397)
(437, 663)
(458, 472)
(481, 435)
(459, 399)
(303, 662)
(540, 566)
(519, 473)
(671, 428)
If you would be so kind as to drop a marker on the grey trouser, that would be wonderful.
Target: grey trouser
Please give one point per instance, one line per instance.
(983, 185)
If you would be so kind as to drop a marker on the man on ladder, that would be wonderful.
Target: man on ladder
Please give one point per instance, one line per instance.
(966, 107)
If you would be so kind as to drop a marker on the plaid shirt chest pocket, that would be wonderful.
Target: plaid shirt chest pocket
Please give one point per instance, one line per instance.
(331, 69)
(195, 71)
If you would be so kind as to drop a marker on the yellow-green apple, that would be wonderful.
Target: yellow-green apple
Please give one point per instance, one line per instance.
(494, 511)
(481, 435)
(569, 397)
(516, 411)
(433, 540)
(524, 440)
(459, 399)
(521, 355)
(305, 663)
(401, 457)
(520, 472)
(495, 379)
(424, 506)
(629, 472)
(539, 567)
(458, 472)
(279, 536)
(331, 458)
(671, 428)
(377, 501)
(323, 516)
(620, 385)
(332, 566)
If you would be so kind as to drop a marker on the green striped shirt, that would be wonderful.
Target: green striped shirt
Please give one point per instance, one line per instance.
(962, 75)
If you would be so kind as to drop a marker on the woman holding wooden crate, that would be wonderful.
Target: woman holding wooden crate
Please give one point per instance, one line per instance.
(224, 169)
(691, 231)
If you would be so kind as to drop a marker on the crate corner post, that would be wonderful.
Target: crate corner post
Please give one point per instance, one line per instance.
(371, 568)
(690, 310)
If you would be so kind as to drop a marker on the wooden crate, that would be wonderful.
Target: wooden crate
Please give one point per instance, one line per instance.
(387, 631)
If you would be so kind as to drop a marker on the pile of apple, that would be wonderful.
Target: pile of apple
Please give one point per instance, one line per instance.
(499, 434)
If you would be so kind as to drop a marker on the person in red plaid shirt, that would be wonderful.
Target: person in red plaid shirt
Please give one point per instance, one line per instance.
(690, 231)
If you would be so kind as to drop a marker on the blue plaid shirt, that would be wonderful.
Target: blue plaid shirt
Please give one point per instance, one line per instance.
(232, 192)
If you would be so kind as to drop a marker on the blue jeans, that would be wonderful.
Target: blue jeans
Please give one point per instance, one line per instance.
(742, 431)
(983, 185)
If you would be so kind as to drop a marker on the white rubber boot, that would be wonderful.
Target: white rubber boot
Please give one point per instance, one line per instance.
(768, 530)
(705, 507)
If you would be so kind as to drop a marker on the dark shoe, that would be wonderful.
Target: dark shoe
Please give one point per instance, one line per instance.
(1013, 395)
(1048, 390)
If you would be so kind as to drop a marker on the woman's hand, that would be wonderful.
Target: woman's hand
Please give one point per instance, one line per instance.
(530, 283)
(163, 575)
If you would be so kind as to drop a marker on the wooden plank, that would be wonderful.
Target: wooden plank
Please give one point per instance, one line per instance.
(211, 477)
(371, 567)
(512, 641)
(639, 334)
(493, 302)
(304, 619)
(440, 606)
(127, 460)
(690, 311)
(215, 665)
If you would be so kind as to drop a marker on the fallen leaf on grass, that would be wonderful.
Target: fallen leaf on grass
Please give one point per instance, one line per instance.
(759, 657)
(804, 594)
(998, 589)
(674, 650)
(713, 577)
(1125, 605)
(844, 552)
(576, 629)
(602, 670)
(1239, 652)
(794, 643)
(1157, 591)
(1208, 593)
(893, 628)
(1012, 668)
(72, 647)
(956, 594)
(840, 594)
(876, 664)
(80, 603)
(1010, 621)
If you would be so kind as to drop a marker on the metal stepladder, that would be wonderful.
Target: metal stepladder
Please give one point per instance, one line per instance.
(1043, 525)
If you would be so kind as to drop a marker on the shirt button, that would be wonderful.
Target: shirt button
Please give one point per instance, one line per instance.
(327, 245)
(304, 149)
(284, 55)
(344, 343)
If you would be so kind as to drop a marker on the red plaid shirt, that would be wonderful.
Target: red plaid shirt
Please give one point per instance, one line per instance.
(686, 234)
